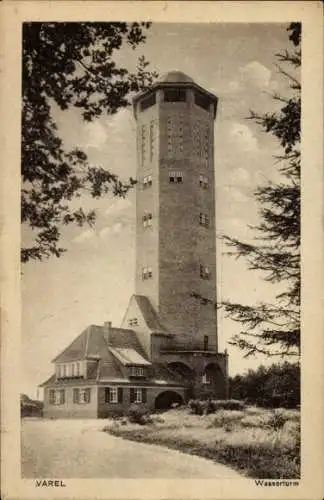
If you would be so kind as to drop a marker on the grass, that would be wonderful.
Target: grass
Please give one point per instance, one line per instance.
(256, 442)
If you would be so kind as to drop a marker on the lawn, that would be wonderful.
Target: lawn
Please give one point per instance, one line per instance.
(257, 442)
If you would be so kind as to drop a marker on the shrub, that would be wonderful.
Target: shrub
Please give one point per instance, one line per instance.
(138, 415)
(210, 407)
(196, 407)
(277, 420)
(229, 404)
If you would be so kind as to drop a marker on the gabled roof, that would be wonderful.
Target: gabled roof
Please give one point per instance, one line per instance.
(150, 314)
(129, 356)
(126, 339)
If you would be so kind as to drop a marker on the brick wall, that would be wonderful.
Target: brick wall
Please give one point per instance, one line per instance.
(69, 408)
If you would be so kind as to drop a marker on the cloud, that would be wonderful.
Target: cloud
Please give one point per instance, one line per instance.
(236, 194)
(84, 236)
(95, 135)
(114, 229)
(117, 206)
(253, 75)
(243, 137)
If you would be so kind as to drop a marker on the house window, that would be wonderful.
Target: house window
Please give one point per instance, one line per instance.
(133, 322)
(174, 95)
(176, 177)
(137, 371)
(113, 395)
(147, 273)
(147, 220)
(203, 181)
(204, 272)
(56, 396)
(138, 395)
(203, 219)
(82, 395)
(147, 181)
(148, 101)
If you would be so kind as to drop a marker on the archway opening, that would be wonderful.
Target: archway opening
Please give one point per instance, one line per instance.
(213, 382)
(167, 399)
(187, 376)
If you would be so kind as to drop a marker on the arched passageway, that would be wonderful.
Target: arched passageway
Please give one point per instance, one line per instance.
(187, 375)
(166, 399)
(214, 381)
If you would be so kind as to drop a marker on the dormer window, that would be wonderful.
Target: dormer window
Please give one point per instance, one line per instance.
(69, 370)
(137, 371)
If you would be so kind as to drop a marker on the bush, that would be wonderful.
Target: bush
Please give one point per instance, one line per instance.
(196, 407)
(229, 404)
(277, 420)
(138, 415)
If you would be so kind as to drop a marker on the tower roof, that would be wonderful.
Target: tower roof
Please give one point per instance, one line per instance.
(175, 77)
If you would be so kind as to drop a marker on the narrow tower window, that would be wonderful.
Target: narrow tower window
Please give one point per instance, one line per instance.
(147, 181)
(147, 220)
(203, 219)
(147, 273)
(204, 272)
(203, 181)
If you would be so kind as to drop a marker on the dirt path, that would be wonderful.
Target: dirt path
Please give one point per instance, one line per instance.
(78, 449)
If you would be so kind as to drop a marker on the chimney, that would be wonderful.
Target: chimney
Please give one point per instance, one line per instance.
(106, 329)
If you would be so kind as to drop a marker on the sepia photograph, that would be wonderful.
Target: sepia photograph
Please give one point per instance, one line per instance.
(161, 275)
(160, 202)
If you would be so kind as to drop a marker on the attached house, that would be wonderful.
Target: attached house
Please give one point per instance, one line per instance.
(106, 369)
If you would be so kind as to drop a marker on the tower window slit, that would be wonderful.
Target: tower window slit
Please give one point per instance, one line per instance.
(147, 273)
(147, 220)
(203, 219)
(147, 181)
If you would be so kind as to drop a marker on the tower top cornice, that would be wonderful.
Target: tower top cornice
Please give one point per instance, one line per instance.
(179, 79)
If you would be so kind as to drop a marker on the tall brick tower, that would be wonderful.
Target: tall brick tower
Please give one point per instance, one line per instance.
(175, 211)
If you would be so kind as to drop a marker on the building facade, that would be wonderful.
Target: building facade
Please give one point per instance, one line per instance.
(173, 314)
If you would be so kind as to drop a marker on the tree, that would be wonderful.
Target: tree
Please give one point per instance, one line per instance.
(71, 65)
(274, 329)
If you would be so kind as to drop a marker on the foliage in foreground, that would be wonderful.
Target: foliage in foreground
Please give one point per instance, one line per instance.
(273, 329)
(256, 442)
(70, 65)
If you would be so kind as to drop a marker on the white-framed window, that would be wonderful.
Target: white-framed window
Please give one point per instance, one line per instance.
(138, 396)
(147, 181)
(137, 371)
(203, 219)
(204, 272)
(203, 181)
(113, 395)
(82, 395)
(56, 396)
(147, 273)
(176, 177)
(133, 322)
(147, 220)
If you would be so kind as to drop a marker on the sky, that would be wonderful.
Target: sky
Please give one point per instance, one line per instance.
(93, 281)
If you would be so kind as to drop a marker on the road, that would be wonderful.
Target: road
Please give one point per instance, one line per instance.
(78, 449)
